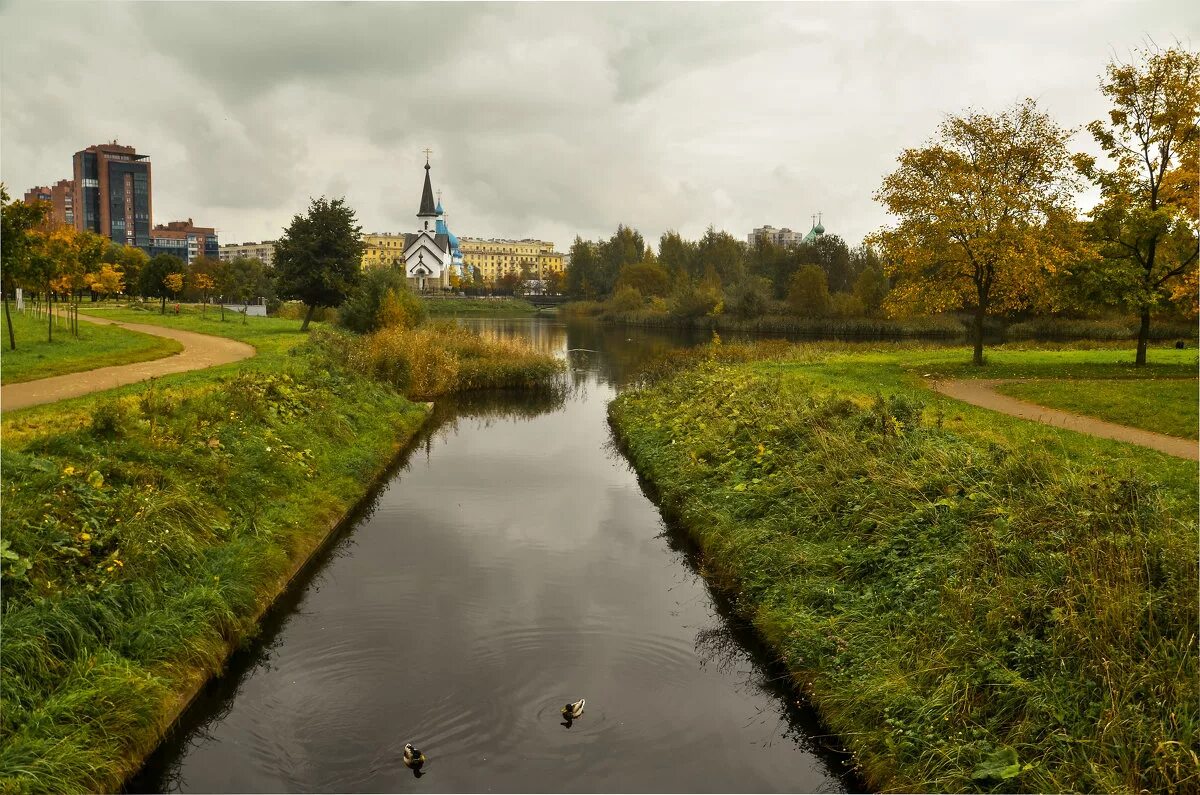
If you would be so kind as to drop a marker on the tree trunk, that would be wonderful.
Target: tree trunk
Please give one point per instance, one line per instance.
(1143, 338)
(163, 311)
(308, 316)
(12, 339)
(246, 311)
(977, 358)
(49, 314)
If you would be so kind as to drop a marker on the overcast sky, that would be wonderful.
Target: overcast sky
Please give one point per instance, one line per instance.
(545, 120)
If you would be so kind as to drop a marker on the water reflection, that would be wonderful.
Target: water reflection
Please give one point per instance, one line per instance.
(509, 565)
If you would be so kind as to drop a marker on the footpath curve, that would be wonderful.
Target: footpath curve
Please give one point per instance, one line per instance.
(199, 351)
(982, 392)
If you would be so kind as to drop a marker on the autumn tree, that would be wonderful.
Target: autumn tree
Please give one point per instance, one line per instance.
(152, 281)
(808, 293)
(18, 222)
(983, 213)
(647, 277)
(173, 284)
(317, 258)
(1146, 223)
(106, 281)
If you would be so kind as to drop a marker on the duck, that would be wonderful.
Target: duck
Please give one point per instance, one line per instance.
(413, 758)
(573, 711)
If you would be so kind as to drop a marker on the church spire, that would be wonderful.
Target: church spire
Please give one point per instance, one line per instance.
(427, 208)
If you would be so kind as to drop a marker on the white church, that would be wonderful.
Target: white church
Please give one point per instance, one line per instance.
(432, 253)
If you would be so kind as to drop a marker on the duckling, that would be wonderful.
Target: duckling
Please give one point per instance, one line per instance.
(413, 759)
(573, 711)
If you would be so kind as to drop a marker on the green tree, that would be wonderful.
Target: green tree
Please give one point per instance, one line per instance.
(723, 254)
(248, 278)
(677, 256)
(871, 287)
(131, 260)
(647, 277)
(317, 258)
(18, 221)
(625, 247)
(808, 293)
(1146, 223)
(984, 214)
(774, 263)
(750, 297)
(152, 280)
(380, 299)
(583, 275)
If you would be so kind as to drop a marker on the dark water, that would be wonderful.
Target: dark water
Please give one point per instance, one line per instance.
(510, 565)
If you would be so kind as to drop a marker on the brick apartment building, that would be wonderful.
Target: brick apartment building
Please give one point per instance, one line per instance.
(112, 193)
(61, 197)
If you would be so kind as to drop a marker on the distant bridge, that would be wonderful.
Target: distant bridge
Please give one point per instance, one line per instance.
(544, 301)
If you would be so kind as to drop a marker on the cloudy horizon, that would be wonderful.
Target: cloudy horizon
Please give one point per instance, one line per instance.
(545, 120)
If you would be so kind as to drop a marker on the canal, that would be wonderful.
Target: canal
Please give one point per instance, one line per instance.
(510, 564)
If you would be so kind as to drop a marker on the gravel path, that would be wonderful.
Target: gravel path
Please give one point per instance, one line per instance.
(199, 351)
(982, 392)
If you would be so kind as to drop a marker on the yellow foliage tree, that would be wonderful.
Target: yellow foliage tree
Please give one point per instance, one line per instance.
(204, 283)
(1147, 224)
(174, 283)
(984, 213)
(109, 280)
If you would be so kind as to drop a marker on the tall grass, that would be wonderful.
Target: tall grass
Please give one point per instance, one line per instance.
(968, 614)
(1052, 328)
(440, 358)
(142, 542)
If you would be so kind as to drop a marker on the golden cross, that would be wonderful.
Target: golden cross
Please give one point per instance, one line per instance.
(428, 152)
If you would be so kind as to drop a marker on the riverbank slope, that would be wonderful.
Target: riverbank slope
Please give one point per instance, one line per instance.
(973, 602)
(147, 528)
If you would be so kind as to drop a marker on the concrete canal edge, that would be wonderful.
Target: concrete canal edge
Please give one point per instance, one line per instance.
(196, 678)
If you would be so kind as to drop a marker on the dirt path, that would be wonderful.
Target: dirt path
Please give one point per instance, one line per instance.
(982, 392)
(199, 351)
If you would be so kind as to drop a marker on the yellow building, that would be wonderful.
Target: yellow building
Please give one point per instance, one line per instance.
(382, 249)
(494, 258)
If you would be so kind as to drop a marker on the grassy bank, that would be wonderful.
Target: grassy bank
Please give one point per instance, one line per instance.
(1162, 406)
(481, 307)
(146, 528)
(96, 346)
(972, 602)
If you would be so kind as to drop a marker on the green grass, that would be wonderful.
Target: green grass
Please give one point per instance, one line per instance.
(1159, 405)
(972, 602)
(146, 527)
(489, 307)
(96, 346)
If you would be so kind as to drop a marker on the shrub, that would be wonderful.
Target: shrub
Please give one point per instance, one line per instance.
(380, 300)
(694, 300)
(625, 299)
(846, 305)
(750, 297)
(808, 293)
(1056, 328)
(296, 310)
(112, 419)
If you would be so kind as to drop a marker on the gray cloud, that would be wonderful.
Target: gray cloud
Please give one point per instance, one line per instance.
(547, 120)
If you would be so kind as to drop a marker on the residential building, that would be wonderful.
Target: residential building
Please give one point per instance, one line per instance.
(185, 240)
(786, 237)
(382, 249)
(264, 251)
(61, 197)
(494, 258)
(112, 193)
